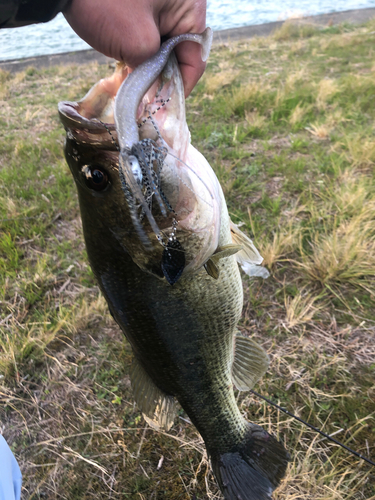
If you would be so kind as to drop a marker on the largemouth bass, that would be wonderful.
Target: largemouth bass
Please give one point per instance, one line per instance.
(165, 254)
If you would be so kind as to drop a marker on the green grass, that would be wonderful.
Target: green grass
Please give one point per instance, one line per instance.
(287, 124)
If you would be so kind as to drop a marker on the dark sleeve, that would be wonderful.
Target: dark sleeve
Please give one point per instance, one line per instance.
(15, 13)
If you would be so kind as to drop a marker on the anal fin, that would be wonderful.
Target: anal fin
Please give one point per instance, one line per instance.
(158, 409)
(250, 363)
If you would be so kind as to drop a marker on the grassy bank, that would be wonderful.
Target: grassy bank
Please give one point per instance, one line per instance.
(287, 123)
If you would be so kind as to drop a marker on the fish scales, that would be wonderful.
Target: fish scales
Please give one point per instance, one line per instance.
(183, 336)
(151, 313)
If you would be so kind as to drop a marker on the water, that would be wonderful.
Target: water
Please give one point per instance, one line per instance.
(57, 36)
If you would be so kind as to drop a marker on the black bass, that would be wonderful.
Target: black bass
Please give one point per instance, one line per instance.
(165, 254)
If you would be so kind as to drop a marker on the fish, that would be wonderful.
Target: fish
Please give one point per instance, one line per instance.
(166, 257)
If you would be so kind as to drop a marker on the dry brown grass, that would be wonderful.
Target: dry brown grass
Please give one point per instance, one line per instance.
(224, 77)
(284, 241)
(298, 113)
(326, 89)
(360, 151)
(300, 309)
(246, 96)
(254, 119)
(344, 254)
(320, 131)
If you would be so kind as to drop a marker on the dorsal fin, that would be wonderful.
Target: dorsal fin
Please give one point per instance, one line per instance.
(248, 258)
(250, 363)
(159, 409)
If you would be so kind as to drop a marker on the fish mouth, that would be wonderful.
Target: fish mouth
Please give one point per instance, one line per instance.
(90, 132)
(90, 121)
(190, 196)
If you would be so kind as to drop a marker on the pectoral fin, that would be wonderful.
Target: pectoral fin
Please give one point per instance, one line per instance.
(212, 269)
(226, 251)
(159, 409)
(211, 265)
(248, 258)
(250, 363)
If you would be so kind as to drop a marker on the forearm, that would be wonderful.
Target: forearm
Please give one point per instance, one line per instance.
(15, 13)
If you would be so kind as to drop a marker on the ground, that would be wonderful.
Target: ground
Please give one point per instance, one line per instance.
(287, 122)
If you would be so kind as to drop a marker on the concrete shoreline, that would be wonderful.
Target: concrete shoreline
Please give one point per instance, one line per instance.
(356, 16)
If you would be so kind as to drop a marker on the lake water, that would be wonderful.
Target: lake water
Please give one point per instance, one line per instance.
(57, 36)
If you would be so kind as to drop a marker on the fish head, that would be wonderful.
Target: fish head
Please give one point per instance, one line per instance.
(182, 192)
(92, 154)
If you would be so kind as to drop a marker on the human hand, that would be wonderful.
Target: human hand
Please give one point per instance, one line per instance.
(130, 31)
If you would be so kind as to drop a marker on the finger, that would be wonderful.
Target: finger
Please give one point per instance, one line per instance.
(141, 42)
(189, 56)
(188, 16)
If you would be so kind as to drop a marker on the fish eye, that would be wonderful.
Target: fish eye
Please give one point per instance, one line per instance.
(96, 178)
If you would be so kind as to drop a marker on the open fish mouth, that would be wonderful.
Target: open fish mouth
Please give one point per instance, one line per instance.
(91, 121)
(173, 196)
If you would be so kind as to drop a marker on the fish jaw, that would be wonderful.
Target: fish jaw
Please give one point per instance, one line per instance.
(190, 187)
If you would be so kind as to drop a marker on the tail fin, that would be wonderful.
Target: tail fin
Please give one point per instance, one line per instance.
(207, 37)
(252, 469)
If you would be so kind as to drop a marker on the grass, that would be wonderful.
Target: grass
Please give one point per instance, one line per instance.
(287, 123)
